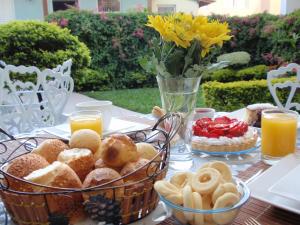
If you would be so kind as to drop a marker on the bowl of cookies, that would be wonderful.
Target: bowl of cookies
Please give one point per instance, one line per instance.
(45, 180)
(211, 196)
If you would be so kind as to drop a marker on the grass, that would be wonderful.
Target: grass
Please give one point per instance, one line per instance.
(138, 100)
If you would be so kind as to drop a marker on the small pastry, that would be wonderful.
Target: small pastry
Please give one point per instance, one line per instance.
(142, 170)
(49, 149)
(103, 176)
(81, 160)
(86, 138)
(21, 167)
(147, 151)
(158, 112)
(253, 113)
(118, 149)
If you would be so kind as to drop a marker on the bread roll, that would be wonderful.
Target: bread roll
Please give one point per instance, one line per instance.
(142, 170)
(21, 167)
(147, 151)
(81, 160)
(117, 150)
(102, 176)
(85, 138)
(49, 149)
(100, 164)
(58, 175)
(97, 154)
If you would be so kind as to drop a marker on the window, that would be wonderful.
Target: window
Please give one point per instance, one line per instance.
(109, 5)
(166, 8)
(63, 5)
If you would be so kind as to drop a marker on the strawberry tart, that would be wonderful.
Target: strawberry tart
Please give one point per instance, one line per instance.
(223, 134)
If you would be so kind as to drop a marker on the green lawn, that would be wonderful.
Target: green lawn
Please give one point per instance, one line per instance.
(139, 100)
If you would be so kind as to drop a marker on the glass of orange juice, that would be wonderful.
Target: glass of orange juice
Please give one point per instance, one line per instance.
(89, 119)
(279, 134)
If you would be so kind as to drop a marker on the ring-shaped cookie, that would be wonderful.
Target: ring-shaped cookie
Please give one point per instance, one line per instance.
(165, 188)
(175, 198)
(222, 189)
(226, 200)
(181, 179)
(206, 180)
(188, 202)
(223, 168)
(198, 217)
(207, 205)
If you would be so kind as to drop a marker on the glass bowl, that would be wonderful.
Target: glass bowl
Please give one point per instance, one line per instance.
(218, 216)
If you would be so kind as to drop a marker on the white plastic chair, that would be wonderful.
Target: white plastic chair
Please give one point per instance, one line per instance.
(293, 85)
(27, 104)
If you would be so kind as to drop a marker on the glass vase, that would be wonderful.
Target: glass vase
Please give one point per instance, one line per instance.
(180, 95)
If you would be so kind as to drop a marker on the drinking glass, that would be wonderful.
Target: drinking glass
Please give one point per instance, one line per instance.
(279, 134)
(89, 119)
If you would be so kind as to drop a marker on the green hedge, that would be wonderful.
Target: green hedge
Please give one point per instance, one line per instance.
(41, 44)
(235, 95)
(253, 73)
(229, 75)
(89, 79)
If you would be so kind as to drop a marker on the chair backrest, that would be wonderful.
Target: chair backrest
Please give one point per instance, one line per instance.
(291, 84)
(33, 99)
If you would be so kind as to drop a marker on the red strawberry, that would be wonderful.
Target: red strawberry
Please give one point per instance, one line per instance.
(218, 132)
(223, 119)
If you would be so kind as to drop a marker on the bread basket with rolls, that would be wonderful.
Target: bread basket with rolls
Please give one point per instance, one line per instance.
(85, 180)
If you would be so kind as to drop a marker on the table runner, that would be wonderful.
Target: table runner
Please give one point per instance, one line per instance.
(263, 212)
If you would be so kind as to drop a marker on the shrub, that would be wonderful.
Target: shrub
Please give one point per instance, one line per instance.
(41, 44)
(89, 79)
(235, 58)
(253, 73)
(223, 75)
(235, 95)
(248, 35)
(285, 37)
(139, 79)
(116, 41)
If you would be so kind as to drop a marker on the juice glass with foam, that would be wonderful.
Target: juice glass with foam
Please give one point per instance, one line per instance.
(87, 120)
(279, 134)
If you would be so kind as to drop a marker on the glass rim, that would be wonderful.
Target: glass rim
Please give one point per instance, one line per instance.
(93, 112)
(244, 198)
(280, 110)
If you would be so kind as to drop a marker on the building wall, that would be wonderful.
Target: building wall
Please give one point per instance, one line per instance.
(132, 5)
(88, 5)
(7, 11)
(241, 7)
(28, 10)
(187, 6)
(292, 5)
(50, 6)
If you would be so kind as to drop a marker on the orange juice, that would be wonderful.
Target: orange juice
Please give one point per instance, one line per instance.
(92, 122)
(279, 133)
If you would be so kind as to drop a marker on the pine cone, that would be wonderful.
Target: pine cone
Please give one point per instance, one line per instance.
(103, 209)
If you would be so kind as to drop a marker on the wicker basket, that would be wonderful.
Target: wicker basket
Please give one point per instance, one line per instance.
(66, 206)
